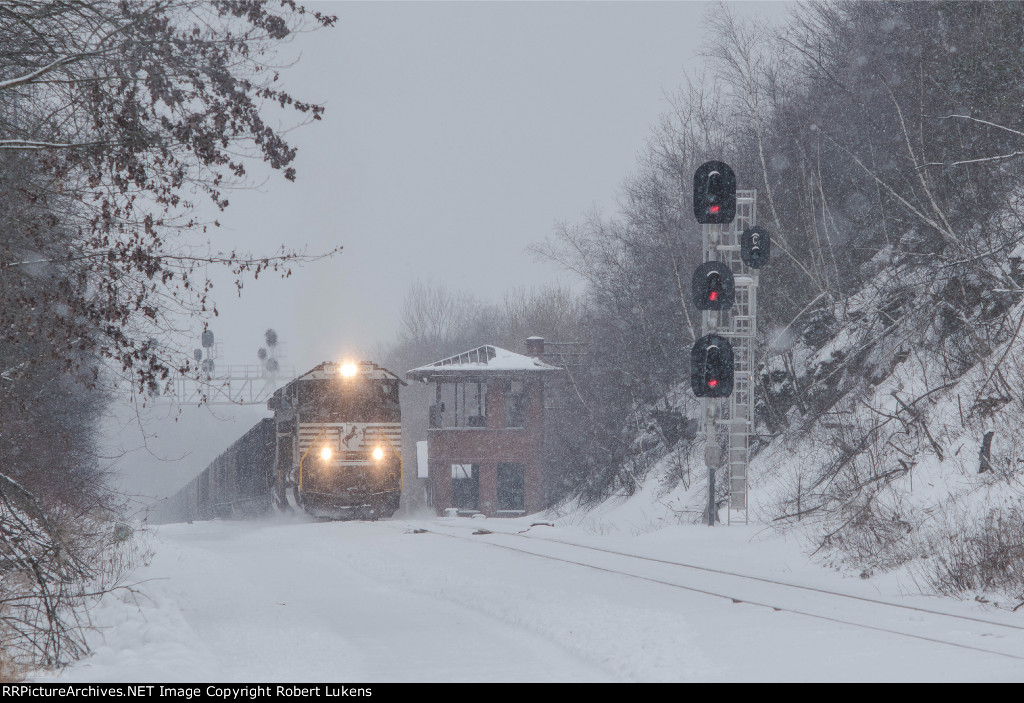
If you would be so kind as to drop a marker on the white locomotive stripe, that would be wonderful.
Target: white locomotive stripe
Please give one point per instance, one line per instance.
(351, 436)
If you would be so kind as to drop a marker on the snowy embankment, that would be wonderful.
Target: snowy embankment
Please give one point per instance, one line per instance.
(302, 601)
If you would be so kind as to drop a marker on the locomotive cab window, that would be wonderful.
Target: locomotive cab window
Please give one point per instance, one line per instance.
(388, 391)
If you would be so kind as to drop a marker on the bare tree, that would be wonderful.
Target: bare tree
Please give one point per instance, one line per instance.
(115, 115)
(122, 111)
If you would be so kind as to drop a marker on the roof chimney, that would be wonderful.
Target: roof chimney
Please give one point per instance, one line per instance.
(535, 347)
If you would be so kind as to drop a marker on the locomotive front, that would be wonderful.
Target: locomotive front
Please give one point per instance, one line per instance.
(339, 441)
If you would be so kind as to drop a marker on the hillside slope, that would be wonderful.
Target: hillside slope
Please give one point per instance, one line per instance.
(872, 417)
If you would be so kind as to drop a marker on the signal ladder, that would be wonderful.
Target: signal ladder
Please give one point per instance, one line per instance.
(739, 325)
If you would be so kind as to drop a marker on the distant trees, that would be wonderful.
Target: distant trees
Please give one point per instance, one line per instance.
(438, 322)
(115, 117)
(637, 320)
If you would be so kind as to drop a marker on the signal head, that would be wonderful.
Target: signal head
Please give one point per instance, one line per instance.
(714, 193)
(713, 286)
(711, 367)
(755, 247)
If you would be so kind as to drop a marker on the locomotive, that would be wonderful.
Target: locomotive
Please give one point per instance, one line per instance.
(333, 449)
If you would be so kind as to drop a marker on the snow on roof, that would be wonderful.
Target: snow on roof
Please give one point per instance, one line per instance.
(488, 359)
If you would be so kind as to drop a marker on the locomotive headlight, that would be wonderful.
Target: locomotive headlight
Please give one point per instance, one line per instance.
(378, 453)
(348, 369)
(325, 453)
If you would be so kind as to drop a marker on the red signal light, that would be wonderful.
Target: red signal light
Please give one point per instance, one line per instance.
(713, 209)
(712, 383)
(713, 295)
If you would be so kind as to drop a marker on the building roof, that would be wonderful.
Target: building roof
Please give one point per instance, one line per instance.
(487, 360)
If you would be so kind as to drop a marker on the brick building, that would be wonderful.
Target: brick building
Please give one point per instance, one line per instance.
(486, 431)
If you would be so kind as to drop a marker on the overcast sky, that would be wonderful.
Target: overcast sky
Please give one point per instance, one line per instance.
(456, 134)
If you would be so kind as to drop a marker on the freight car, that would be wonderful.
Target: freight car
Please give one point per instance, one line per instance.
(237, 484)
(333, 449)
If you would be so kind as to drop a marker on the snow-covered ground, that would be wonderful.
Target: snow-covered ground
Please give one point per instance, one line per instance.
(288, 600)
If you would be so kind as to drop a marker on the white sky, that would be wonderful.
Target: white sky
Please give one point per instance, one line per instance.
(456, 134)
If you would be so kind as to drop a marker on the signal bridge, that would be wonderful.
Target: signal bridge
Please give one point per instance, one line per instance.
(233, 384)
(230, 384)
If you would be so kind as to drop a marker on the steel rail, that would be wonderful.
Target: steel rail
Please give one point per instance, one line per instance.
(762, 579)
(733, 599)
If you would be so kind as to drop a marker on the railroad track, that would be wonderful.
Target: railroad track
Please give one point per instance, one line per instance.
(897, 619)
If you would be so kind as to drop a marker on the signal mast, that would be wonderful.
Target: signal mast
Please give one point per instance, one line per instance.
(724, 288)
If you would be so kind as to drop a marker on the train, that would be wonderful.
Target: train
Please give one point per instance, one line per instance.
(333, 449)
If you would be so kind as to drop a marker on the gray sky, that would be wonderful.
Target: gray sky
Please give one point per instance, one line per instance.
(456, 134)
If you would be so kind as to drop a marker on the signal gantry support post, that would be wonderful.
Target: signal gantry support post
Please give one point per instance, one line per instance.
(738, 324)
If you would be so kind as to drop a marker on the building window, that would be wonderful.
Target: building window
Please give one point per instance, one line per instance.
(465, 486)
(460, 404)
(515, 404)
(511, 488)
